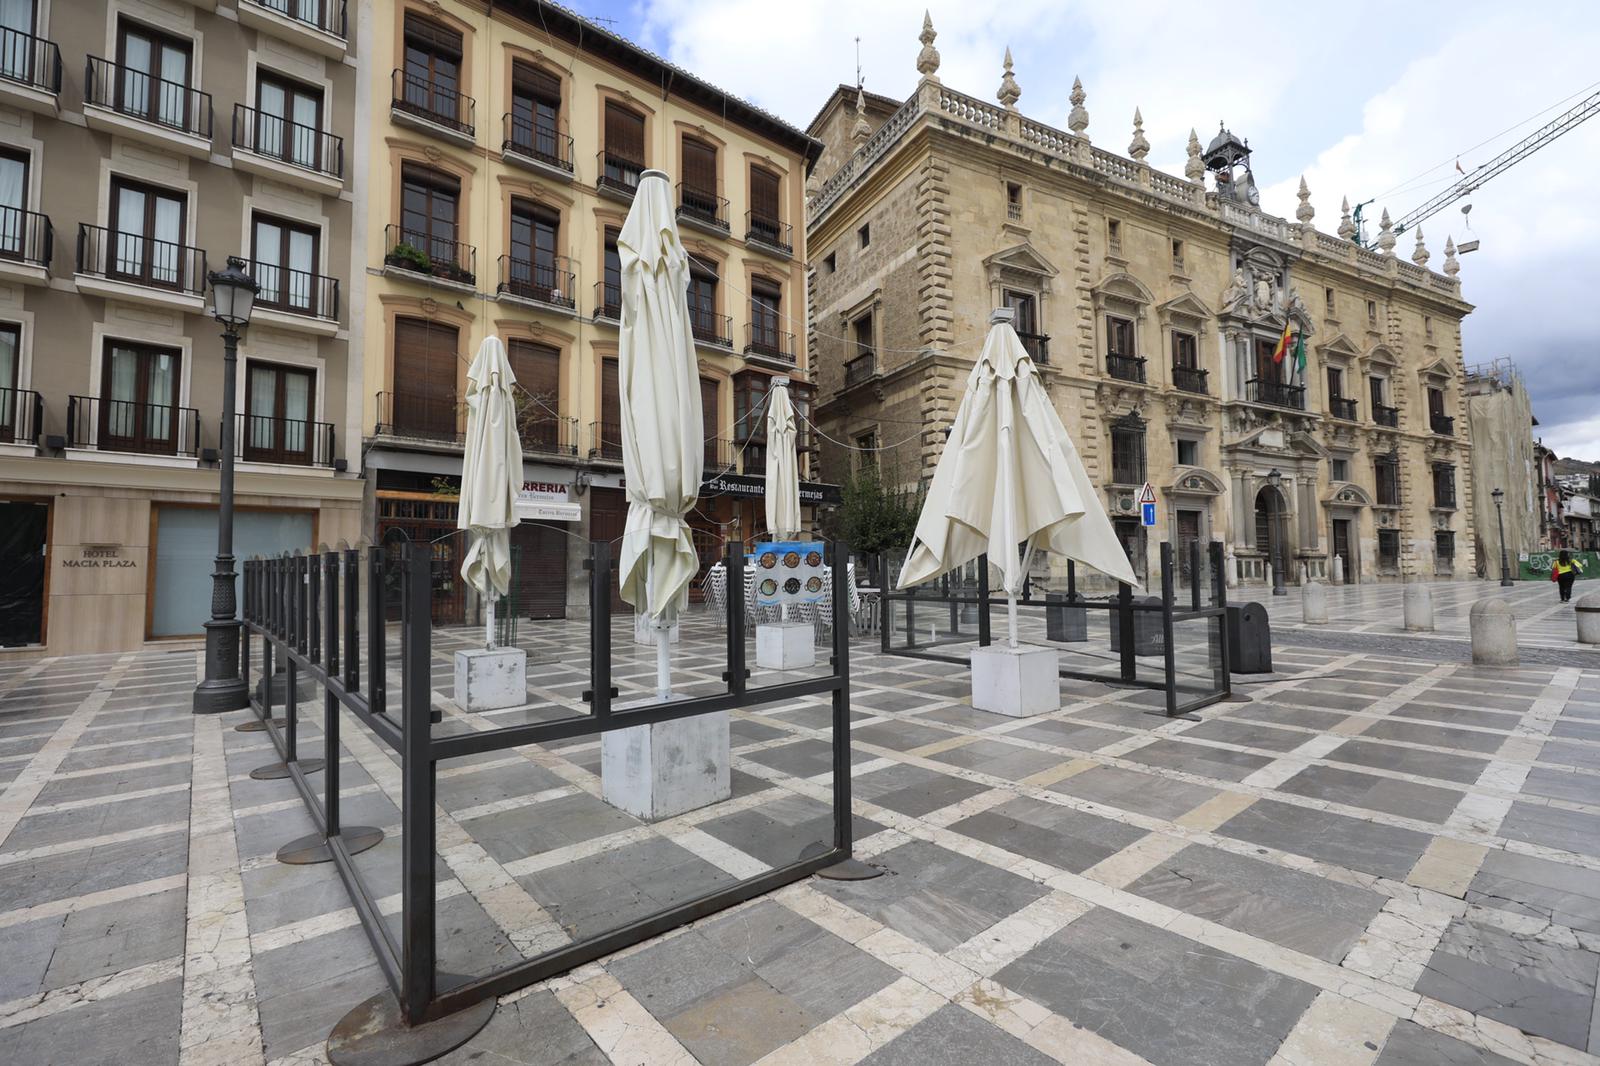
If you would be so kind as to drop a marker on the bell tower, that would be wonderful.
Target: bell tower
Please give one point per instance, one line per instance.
(1228, 159)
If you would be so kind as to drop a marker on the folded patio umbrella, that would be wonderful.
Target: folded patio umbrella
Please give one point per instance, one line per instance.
(1010, 477)
(783, 465)
(491, 476)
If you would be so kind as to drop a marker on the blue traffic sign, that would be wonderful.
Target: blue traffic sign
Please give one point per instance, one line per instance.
(1147, 514)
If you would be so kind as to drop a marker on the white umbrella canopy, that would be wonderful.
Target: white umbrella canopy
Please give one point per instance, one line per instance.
(1010, 476)
(491, 475)
(783, 465)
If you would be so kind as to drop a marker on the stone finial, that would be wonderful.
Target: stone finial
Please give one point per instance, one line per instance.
(861, 130)
(1139, 147)
(1195, 168)
(1347, 225)
(1078, 120)
(1386, 239)
(928, 58)
(1451, 266)
(1305, 212)
(1419, 254)
(1009, 92)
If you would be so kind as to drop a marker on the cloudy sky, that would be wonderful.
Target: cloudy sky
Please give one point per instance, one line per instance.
(1365, 99)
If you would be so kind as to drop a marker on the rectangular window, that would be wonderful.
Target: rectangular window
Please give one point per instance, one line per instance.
(1388, 550)
(766, 318)
(624, 151)
(1372, 312)
(288, 121)
(1185, 351)
(829, 263)
(766, 216)
(867, 449)
(431, 67)
(1177, 255)
(538, 371)
(611, 296)
(535, 230)
(1386, 475)
(1444, 485)
(1444, 551)
(865, 234)
(1114, 234)
(1427, 326)
(536, 113)
(1335, 383)
(1127, 455)
(13, 200)
(10, 369)
(1339, 469)
(700, 180)
(278, 408)
(749, 406)
(429, 201)
(1268, 370)
(1188, 452)
(1375, 387)
(703, 300)
(423, 400)
(148, 226)
(608, 441)
(285, 256)
(154, 82)
(1013, 201)
(1435, 403)
(1327, 300)
(139, 397)
(1119, 336)
(862, 330)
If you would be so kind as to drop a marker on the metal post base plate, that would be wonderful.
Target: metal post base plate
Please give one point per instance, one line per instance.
(848, 870)
(373, 1034)
(312, 849)
(278, 771)
(256, 725)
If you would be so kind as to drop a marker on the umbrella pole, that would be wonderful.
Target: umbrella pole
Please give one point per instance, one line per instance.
(1011, 597)
(488, 626)
(663, 627)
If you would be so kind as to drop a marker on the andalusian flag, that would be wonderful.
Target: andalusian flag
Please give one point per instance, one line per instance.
(1300, 354)
(1283, 342)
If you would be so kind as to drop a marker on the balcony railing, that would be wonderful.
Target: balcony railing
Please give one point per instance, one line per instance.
(543, 433)
(1276, 393)
(21, 415)
(709, 328)
(138, 95)
(753, 461)
(1342, 408)
(1190, 379)
(288, 142)
(608, 300)
(1386, 416)
(763, 229)
(26, 237)
(127, 426)
(769, 342)
(703, 206)
(31, 61)
(325, 15)
(1444, 496)
(292, 441)
(295, 292)
(549, 282)
(425, 254)
(605, 441)
(532, 140)
(860, 369)
(1127, 470)
(437, 103)
(1126, 367)
(718, 454)
(105, 253)
(1387, 477)
(1037, 345)
(436, 416)
(1444, 425)
(617, 173)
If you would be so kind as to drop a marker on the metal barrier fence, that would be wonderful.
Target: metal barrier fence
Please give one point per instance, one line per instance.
(309, 613)
(950, 601)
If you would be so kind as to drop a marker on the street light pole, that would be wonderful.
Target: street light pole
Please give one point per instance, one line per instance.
(233, 294)
(1500, 520)
(1275, 479)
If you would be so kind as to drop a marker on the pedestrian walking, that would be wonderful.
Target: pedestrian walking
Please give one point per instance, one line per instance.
(1564, 573)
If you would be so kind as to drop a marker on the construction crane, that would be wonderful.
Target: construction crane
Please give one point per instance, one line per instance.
(1562, 123)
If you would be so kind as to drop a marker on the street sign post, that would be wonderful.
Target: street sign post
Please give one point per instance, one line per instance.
(1147, 505)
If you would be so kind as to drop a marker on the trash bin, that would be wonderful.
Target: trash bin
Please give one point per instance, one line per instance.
(1249, 639)
(1146, 628)
(1064, 622)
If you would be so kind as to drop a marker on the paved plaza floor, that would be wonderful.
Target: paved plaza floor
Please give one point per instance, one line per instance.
(1382, 855)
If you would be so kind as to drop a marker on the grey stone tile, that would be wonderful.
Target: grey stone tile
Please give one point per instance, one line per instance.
(78, 873)
(1336, 838)
(137, 1028)
(1067, 733)
(748, 731)
(1131, 790)
(898, 734)
(914, 790)
(963, 716)
(1563, 785)
(803, 758)
(27, 948)
(739, 1025)
(1247, 734)
(954, 1034)
(101, 819)
(516, 834)
(303, 1013)
(459, 791)
(1409, 1044)
(1575, 729)
(1200, 759)
(899, 700)
(999, 759)
(1435, 712)
(535, 1030)
(610, 889)
(1305, 717)
(1553, 827)
(108, 939)
(1407, 799)
(1553, 891)
(1566, 754)
(1438, 736)
(152, 749)
(777, 832)
(1463, 769)
(1059, 836)
(816, 716)
(1170, 999)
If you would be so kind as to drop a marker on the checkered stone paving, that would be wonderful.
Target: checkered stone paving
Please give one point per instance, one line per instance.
(1381, 856)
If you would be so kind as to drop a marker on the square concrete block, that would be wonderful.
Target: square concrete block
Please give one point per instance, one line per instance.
(785, 646)
(488, 680)
(1018, 681)
(665, 769)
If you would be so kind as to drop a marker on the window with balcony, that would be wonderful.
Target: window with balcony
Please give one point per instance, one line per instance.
(22, 233)
(25, 58)
(1025, 321)
(1388, 551)
(864, 363)
(148, 225)
(1122, 359)
(430, 203)
(1372, 313)
(422, 402)
(767, 336)
(430, 74)
(1013, 201)
(535, 119)
(13, 410)
(1386, 477)
(1271, 382)
(750, 406)
(1127, 451)
(1382, 413)
(285, 266)
(1186, 372)
(607, 433)
(533, 270)
(622, 158)
(766, 214)
(278, 405)
(138, 403)
(1444, 485)
(608, 300)
(698, 199)
(152, 82)
(1438, 421)
(704, 322)
(1339, 405)
(288, 121)
(1177, 256)
(538, 371)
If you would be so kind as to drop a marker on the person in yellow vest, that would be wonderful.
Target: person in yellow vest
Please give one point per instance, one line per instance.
(1566, 571)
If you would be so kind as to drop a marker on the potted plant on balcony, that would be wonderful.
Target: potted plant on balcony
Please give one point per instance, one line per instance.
(454, 272)
(409, 257)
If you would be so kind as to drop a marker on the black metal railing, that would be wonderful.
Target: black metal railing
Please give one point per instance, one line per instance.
(769, 342)
(139, 95)
(1444, 495)
(718, 452)
(1342, 407)
(1444, 425)
(428, 99)
(139, 260)
(1385, 415)
(1126, 367)
(21, 415)
(129, 426)
(292, 441)
(536, 141)
(26, 237)
(423, 415)
(426, 254)
(325, 15)
(1190, 379)
(29, 60)
(608, 300)
(768, 231)
(617, 173)
(753, 461)
(544, 433)
(862, 368)
(549, 282)
(1127, 469)
(703, 206)
(1276, 393)
(711, 328)
(605, 441)
(295, 292)
(1386, 476)
(1037, 345)
(288, 142)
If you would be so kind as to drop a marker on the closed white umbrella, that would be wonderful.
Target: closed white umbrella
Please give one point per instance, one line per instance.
(1010, 476)
(491, 475)
(783, 465)
(659, 386)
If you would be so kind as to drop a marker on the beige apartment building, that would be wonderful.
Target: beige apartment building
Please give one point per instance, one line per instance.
(142, 142)
(504, 144)
(1152, 304)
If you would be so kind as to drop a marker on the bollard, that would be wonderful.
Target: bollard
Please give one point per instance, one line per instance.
(1418, 608)
(1338, 570)
(1314, 604)
(1494, 633)
(1305, 575)
(1230, 566)
(1588, 612)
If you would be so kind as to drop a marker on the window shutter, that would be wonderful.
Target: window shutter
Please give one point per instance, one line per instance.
(535, 81)
(538, 371)
(700, 166)
(422, 32)
(624, 133)
(708, 408)
(610, 400)
(764, 193)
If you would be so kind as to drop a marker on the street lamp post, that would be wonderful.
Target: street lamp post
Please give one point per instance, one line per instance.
(1500, 520)
(233, 296)
(1275, 479)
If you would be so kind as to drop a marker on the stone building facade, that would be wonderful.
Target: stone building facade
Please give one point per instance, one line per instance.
(1500, 424)
(1152, 304)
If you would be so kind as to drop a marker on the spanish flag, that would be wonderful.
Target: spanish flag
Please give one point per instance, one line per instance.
(1283, 342)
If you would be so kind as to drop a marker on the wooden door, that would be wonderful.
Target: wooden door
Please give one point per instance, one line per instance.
(1188, 535)
(1341, 548)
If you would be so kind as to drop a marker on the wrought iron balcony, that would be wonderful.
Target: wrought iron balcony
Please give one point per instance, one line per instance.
(526, 139)
(288, 142)
(1444, 495)
(435, 256)
(325, 15)
(608, 300)
(1444, 425)
(1126, 367)
(1342, 408)
(753, 461)
(770, 343)
(295, 292)
(702, 207)
(105, 253)
(710, 328)
(1037, 345)
(136, 94)
(436, 416)
(605, 441)
(617, 174)
(769, 232)
(862, 368)
(1384, 415)
(542, 432)
(290, 441)
(550, 282)
(26, 237)
(1190, 379)
(21, 415)
(31, 61)
(718, 455)
(1276, 393)
(128, 426)
(434, 102)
